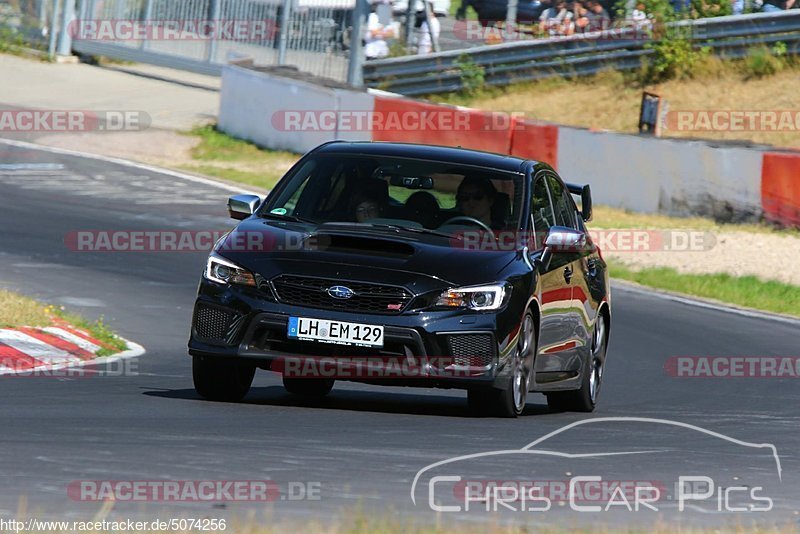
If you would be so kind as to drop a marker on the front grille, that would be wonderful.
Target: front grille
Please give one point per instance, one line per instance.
(367, 298)
(216, 324)
(474, 350)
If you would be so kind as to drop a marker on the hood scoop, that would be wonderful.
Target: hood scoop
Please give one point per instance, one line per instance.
(356, 244)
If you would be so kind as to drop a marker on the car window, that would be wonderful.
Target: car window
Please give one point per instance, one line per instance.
(562, 204)
(406, 192)
(542, 212)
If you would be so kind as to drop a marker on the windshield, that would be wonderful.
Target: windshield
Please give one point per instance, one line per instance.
(402, 192)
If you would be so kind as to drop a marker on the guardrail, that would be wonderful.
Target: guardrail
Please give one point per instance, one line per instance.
(624, 49)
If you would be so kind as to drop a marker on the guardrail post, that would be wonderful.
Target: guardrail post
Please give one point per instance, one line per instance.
(283, 40)
(64, 37)
(410, 20)
(51, 48)
(355, 68)
(511, 16)
(148, 15)
(212, 44)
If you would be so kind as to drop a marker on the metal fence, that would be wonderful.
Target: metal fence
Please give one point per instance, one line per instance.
(625, 49)
(26, 21)
(202, 35)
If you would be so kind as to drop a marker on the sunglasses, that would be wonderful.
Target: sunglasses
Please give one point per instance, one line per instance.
(474, 196)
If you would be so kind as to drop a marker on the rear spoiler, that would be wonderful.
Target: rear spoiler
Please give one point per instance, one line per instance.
(585, 194)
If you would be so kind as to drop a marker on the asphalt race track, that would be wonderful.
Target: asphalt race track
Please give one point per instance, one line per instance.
(362, 446)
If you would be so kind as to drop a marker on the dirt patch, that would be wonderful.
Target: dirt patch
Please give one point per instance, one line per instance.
(766, 256)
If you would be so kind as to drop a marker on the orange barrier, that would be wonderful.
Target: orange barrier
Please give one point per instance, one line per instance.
(533, 140)
(409, 121)
(780, 188)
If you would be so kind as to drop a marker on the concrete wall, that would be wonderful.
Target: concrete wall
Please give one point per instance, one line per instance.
(660, 175)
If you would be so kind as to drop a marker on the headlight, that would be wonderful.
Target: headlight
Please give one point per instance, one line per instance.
(223, 271)
(490, 297)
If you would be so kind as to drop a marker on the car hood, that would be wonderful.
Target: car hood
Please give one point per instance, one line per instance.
(360, 253)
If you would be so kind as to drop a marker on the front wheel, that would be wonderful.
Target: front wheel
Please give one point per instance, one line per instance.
(510, 402)
(585, 398)
(221, 380)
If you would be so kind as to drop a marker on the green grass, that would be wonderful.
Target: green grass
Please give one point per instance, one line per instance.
(98, 330)
(222, 156)
(17, 310)
(746, 291)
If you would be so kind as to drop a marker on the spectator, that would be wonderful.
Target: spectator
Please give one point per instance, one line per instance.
(639, 17)
(461, 13)
(429, 28)
(557, 20)
(375, 45)
(773, 6)
(598, 19)
(581, 20)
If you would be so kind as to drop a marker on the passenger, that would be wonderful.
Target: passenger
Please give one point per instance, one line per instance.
(370, 201)
(423, 208)
(368, 209)
(475, 198)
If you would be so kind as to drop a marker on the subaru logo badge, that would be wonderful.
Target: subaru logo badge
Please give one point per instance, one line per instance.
(340, 292)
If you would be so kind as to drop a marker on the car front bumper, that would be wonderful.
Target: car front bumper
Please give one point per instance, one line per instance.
(450, 349)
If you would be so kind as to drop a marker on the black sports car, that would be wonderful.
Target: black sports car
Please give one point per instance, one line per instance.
(411, 265)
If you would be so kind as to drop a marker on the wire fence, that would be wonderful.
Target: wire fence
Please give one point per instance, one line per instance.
(195, 35)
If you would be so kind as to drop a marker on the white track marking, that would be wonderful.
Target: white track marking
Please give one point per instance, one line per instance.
(132, 164)
(72, 338)
(34, 348)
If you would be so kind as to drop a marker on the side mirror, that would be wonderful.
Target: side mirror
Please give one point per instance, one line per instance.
(586, 203)
(586, 199)
(563, 239)
(243, 206)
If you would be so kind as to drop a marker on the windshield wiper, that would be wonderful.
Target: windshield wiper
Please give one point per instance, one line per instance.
(285, 217)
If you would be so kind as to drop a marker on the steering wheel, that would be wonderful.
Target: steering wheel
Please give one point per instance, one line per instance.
(472, 220)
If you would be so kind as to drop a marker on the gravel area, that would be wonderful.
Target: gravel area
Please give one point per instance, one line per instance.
(769, 256)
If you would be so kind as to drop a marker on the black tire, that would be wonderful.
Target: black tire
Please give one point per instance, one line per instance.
(585, 398)
(510, 401)
(480, 401)
(308, 387)
(221, 380)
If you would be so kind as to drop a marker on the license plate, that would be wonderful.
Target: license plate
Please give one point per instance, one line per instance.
(338, 332)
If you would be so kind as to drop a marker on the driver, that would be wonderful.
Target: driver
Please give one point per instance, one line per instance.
(475, 198)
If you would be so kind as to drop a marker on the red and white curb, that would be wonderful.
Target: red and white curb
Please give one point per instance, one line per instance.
(26, 350)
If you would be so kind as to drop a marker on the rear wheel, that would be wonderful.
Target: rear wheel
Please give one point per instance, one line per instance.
(221, 380)
(510, 402)
(308, 387)
(585, 398)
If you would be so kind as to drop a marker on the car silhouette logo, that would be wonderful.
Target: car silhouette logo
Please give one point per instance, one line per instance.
(341, 292)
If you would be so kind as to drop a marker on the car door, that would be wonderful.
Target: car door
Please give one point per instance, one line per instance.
(577, 264)
(555, 293)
